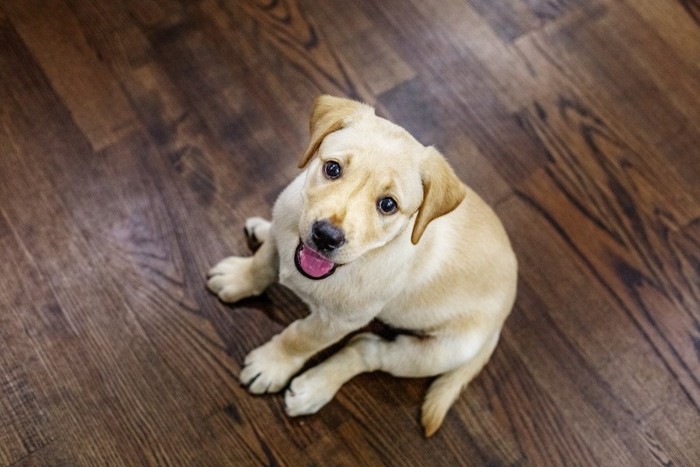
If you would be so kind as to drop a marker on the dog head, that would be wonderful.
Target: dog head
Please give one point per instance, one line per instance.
(367, 181)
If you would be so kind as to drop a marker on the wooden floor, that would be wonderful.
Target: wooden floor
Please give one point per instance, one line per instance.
(136, 136)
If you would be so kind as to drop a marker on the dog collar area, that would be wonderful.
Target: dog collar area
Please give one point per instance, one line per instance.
(312, 264)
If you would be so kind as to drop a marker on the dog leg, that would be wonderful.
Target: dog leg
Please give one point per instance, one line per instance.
(235, 278)
(407, 356)
(269, 367)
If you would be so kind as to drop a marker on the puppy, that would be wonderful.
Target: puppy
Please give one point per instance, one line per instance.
(378, 226)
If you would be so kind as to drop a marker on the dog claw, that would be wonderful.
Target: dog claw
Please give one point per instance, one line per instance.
(252, 381)
(251, 239)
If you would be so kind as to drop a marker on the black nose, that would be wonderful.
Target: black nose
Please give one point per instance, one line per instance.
(326, 236)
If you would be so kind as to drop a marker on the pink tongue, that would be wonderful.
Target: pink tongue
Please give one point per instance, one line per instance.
(314, 264)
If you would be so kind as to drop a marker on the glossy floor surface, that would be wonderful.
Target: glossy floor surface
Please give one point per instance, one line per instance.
(137, 136)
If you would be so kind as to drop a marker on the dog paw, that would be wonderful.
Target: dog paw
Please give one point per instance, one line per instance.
(308, 393)
(229, 279)
(267, 369)
(256, 231)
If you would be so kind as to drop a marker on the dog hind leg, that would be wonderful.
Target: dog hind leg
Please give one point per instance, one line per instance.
(445, 389)
(407, 356)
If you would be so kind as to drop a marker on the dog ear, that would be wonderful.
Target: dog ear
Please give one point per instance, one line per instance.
(442, 192)
(330, 114)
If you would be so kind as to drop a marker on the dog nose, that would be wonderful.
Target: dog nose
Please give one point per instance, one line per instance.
(326, 236)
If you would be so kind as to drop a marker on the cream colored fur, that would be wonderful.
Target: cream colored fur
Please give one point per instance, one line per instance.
(441, 266)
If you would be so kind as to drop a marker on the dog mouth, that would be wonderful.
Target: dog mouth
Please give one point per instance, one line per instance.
(313, 264)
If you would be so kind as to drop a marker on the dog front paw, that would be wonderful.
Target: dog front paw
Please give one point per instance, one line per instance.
(230, 280)
(267, 369)
(308, 393)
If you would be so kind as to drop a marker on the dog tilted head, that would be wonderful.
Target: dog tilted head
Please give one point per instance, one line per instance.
(367, 181)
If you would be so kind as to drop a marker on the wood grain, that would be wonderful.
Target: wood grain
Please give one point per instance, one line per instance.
(137, 136)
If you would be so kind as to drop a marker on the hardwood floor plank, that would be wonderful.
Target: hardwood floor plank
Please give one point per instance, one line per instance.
(362, 47)
(83, 381)
(155, 14)
(225, 105)
(691, 7)
(488, 403)
(573, 54)
(26, 423)
(679, 83)
(518, 17)
(602, 404)
(636, 253)
(679, 446)
(55, 38)
(144, 377)
(290, 30)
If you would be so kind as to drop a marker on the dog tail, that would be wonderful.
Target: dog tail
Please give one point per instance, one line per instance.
(445, 390)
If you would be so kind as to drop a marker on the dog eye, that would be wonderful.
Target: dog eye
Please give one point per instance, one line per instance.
(332, 170)
(387, 205)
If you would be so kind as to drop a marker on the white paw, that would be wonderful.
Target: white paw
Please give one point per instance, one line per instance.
(308, 393)
(230, 280)
(267, 369)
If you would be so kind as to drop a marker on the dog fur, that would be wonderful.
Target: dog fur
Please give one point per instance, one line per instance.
(440, 266)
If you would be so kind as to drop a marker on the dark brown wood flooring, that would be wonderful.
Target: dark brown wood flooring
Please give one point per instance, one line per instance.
(136, 136)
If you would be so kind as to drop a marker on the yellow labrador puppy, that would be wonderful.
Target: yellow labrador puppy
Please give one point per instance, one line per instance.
(378, 226)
